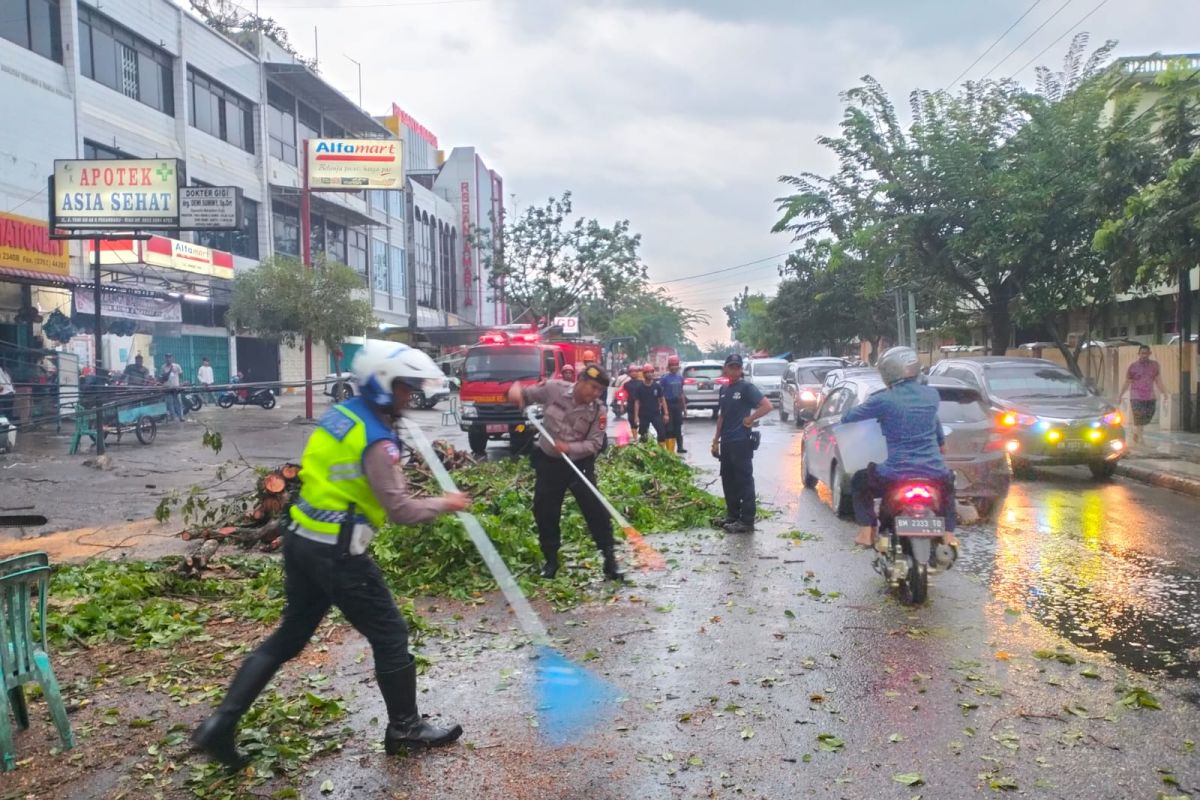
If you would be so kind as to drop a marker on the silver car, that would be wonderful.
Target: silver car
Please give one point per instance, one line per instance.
(702, 382)
(801, 388)
(975, 451)
(767, 375)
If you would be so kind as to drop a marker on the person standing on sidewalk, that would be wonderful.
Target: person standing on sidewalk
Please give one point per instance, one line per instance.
(741, 404)
(676, 401)
(351, 485)
(169, 376)
(575, 418)
(204, 377)
(1141, 380)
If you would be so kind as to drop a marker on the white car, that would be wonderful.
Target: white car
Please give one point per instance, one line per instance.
(767, 375)
(340, 386)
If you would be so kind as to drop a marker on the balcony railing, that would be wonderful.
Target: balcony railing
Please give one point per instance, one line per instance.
(1151, 65)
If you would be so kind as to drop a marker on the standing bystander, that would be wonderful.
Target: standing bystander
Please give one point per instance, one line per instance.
(169, 376)
(1141, 380)
(204, 377)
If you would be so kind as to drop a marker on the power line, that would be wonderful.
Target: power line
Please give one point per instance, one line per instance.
(351, 6)
(723, 269)
(992, 46)
(1036, 31)
(702, 283)
(1082, 20)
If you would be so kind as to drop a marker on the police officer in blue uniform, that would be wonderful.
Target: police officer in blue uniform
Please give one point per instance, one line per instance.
(352, 484)
(741, 405)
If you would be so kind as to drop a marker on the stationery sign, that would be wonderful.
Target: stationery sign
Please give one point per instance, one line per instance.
(118, 194)
(353, 164)
(210, 208)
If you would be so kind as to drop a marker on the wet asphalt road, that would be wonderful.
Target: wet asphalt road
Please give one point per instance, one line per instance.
(772, 666)
(738, 664)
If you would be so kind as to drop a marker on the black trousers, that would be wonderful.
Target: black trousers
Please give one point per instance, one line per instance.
(675, 424)
(867, 484)
(737, 480)
(647, 419)
(554, 480)
(316, 579)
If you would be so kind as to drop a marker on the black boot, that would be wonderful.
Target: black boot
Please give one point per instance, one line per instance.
(611, 570)
(550, 567)
(216, 736)
(406, 728)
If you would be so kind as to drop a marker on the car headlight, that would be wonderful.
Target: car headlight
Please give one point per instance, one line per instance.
(467, 408)
(807, 397)
(1113, 418)
(1013, 419)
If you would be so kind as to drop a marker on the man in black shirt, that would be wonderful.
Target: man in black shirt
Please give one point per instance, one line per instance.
(741, 404)
(650, 407)
(136, 373)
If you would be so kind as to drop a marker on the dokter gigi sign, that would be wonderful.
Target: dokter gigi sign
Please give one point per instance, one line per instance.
(353, 164)
(123, 195)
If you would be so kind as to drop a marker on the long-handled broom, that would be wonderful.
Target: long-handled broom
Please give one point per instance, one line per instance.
(570, 698)
(648, 557)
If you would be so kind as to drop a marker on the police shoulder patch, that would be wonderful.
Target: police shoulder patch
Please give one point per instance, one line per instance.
(336, 424)
(393, 452)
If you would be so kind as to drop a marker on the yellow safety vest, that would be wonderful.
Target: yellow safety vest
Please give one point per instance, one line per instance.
(331, 471)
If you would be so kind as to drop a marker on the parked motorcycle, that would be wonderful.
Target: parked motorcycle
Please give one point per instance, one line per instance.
(620, 402)
(247, 397)
(192, 400)
(914, 526)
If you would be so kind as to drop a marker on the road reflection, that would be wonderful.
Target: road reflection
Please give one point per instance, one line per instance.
(1072, 558)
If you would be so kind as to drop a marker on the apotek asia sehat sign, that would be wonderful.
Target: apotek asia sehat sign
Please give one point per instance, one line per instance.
(353, 164)
(117, 194)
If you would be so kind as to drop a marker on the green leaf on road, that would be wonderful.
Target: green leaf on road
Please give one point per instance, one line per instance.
(909, 778)
(1004, 784)
(830, 743)
(1090, 672)
(695, 761)
(746, 733)
(1137, 697)
(327, 787)
(1055, 655)
(895, 738)
(787, 612)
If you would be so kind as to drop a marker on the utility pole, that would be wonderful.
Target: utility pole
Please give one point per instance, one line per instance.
(912, 320)
(899, 318)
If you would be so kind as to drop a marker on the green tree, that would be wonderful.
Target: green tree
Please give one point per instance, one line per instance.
(749, 322)
(283, 301)
(649, 315)
(549, 262)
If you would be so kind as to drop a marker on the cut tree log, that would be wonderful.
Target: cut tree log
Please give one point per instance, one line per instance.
(290, 471)
(274, 483)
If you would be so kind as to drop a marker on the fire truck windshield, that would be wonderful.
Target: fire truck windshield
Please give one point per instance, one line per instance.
(503, 364)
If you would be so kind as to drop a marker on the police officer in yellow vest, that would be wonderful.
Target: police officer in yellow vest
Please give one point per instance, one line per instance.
(351, 485)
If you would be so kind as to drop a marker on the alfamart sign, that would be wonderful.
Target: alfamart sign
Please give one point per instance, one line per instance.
(116, 195)
(353, 164)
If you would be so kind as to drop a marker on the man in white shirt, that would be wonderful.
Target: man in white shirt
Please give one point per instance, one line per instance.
(169, 376)
(204, 377)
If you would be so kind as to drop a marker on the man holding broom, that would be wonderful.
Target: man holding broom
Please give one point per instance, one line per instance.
(575, 418)
(352, 485)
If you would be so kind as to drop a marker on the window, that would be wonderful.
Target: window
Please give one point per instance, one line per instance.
(33, 24)
(1034, 381)
(337, 242)
(286, 222)
(549, 367)
(220, 111)
(93, 151)
(396, 259)
(309, 126)
(835, 402)
(379, 263)
(281, 124)
(124, 61)
(243, 241)
(316, 235)
(357, 251)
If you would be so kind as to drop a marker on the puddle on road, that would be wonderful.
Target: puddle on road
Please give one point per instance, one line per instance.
(1072, 559)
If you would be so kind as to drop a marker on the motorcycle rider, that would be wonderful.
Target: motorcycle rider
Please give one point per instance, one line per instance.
(907, 414)
(352, 485)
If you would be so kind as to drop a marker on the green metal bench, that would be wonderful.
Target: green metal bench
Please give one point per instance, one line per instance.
(23, 657)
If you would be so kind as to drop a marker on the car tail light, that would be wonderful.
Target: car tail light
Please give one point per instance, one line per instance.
(689, 381)
(722, 380)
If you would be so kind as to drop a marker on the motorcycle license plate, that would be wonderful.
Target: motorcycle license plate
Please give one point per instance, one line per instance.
(497, 429)
(920, 526)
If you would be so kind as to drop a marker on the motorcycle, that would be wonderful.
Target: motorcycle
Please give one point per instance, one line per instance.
(192, 400)
(620, 402)
(912, 520)
(247, 397)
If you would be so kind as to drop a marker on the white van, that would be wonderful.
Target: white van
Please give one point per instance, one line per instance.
(767, 375)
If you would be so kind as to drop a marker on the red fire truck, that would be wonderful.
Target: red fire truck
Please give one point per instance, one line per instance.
(501, 358)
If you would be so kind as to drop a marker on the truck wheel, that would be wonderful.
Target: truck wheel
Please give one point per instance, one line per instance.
(478, 441)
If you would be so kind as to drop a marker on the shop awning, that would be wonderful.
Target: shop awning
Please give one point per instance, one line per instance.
(38, 278)
(313, 91)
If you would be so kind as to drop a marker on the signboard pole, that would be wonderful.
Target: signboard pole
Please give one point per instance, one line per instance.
(98, 333)
(306, 255)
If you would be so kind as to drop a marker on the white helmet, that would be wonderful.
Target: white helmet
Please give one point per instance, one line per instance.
(379, 363)
(899, 363)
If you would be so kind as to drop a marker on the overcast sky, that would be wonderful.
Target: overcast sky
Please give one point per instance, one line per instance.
(677, 115)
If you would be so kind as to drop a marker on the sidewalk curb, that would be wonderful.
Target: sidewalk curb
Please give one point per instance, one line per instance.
(1154, 477)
